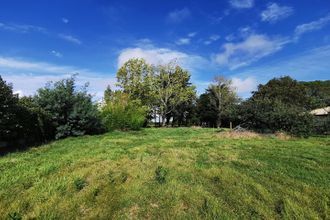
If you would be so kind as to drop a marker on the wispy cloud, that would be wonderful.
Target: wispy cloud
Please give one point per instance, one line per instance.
(183, 41)
(192, 34)
(70, 38)
(178, 16)
(312, 64)
(155, 55)
(240, 4)
(311, 26)
(56, 53)
(212, 39)
(65, 20)
(21, 28)
(251, 49)
(275, 12)
(28, 76)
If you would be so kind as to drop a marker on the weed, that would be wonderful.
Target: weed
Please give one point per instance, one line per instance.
(79, 183)
(160, 174)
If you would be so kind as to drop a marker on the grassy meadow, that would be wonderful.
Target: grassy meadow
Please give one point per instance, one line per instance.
(168, 173)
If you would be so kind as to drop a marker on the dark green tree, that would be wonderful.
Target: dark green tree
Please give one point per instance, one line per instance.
(72, 111)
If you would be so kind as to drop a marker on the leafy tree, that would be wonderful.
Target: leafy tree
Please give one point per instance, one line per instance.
(207, 112)
(72, 112)
(122, 112)
(222, 97)
(170, 88)
(9, 122)
(279, 105)
(134, 77)
(319, 93)
(286, 90)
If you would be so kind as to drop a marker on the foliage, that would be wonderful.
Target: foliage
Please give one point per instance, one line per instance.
(171, 87)
(122, 112)
(166, 89)
(236, 179)
(218, 103)
(19, 125)
(160, 174)
(9, 123)
(279, 105)
(319, 92)
(72, 112)
(134, 77)
(79, 183)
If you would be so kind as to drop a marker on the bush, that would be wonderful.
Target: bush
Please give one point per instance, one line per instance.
(72, 112)
(121, 112)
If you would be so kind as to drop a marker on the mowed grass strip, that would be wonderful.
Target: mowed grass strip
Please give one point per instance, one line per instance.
(169, 173)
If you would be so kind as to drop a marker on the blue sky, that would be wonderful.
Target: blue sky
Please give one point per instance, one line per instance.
(248, 41)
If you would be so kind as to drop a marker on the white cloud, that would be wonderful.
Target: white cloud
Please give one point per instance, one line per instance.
(19, 92)
(183, 41)
(56, 53)
(251, 49)
(22, 28)
(243, 86)
(156, 56)
(275, 12)
(70, 38)
(192, 34)
(241, 3)
(28, 76)
(212, 39)
(312, 64)
(65, 20)
(312, 26)
(178, 16)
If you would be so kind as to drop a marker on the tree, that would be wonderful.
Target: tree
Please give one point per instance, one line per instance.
(171, 87)
(207, 113)
(319, 93)
(286, 90)
(222, 97)
(9, 123)
(280, 105)
(134, 77)
(72, 112)
(122, 112)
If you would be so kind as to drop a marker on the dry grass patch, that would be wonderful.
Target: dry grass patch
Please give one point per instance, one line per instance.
(240, 135)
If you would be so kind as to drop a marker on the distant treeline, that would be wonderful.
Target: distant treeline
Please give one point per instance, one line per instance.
(158, 96)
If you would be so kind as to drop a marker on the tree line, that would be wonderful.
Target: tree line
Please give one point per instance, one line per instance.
(161, 95)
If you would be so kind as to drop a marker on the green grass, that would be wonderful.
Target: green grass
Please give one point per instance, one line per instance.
(174, 173)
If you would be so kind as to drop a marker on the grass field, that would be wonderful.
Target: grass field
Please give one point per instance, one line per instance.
(174, 173)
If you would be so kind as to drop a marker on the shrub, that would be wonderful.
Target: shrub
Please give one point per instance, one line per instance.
(72, 112)
(121, 112)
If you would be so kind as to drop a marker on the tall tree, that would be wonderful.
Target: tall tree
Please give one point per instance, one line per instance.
(222, 97)
(134, 77)
(170, 88)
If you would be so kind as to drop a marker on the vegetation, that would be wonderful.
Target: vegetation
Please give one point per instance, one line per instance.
(162, 173)
(120, 111)
(221, 100)
(280, 105)
(72, 112)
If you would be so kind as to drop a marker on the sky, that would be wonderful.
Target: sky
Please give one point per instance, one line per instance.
(247, 41)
